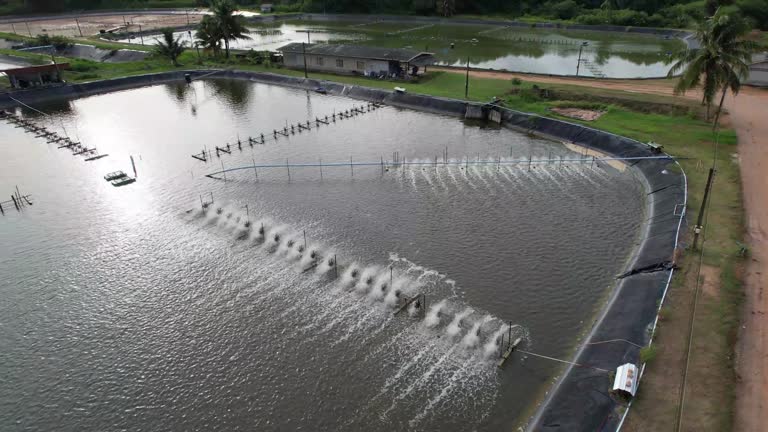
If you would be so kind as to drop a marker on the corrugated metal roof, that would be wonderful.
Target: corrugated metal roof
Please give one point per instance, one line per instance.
(626, 378)
(40, 68)
(361, 52)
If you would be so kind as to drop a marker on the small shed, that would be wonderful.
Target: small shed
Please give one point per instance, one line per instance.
(370, 61)
(35, 76)
(267, 7)
(626, 379)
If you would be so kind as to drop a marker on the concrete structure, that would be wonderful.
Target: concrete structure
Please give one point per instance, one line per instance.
(758, 70)
(357, 59)
(35, 76)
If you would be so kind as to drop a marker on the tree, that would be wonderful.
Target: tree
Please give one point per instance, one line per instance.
(209, 34)
(609, 6)
(169, 47)
(230, 26)
(720, 63)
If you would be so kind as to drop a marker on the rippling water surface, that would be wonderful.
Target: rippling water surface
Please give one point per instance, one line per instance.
(122, 310)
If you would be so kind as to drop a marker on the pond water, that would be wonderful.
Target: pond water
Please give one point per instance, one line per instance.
(123, 310)
(533, 50)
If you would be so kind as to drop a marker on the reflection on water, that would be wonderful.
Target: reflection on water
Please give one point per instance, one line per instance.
(123, 310)
(535, 50)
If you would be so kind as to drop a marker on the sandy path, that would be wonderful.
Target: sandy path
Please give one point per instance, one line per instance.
(748, 117)
(651, 86)
(747, 114)
(91, 24)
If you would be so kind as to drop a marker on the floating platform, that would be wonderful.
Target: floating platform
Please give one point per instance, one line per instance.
(122, 181)
(93, 158)
(115, 175)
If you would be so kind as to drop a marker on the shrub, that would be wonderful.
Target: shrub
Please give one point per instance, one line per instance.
(647, 354)
(516, 81)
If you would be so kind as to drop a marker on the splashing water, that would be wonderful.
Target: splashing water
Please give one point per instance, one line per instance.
(433, 317)
(455, 327)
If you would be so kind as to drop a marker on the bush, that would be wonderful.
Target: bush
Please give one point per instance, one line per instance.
(516, 81)
(647, 354)
(756, 11)
(58, 42)
(565, 9)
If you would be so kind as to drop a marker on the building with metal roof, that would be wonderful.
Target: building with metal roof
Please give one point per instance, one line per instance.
(356, 59)
(35, 76)
(758, 70)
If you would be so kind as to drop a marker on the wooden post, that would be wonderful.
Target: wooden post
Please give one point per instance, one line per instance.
(510, 332)
(134, 167)
(501, 346)
(304, 53)
(466, 82)
(255, 173)
(223, 171)
(78, 27)
(321, 169)
(14, 202)
(351, 167)
(288, 167)
(335, 266)
(305, 239)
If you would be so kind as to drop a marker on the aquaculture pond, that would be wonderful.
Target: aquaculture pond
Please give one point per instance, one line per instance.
(520, 49)
(274, 307)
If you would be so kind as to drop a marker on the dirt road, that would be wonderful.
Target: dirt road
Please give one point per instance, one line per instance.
(749, 119)
(747, 115)
(650, 86)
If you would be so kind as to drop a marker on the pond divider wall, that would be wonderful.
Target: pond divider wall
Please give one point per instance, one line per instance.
(580, 400)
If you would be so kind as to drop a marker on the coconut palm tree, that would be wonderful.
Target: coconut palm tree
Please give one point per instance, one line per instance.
(209, 34)
(609, 6)
(720, 63)
(169, 46)
(230, 26)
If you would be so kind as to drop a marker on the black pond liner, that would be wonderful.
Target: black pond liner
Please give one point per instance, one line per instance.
(580, 400)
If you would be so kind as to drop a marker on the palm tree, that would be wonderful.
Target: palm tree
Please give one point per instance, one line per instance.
(230, 26)
(209, 35)
(720, 63)
(169, 47)
(609, 6)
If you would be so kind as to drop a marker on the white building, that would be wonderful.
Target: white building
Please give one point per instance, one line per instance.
(267, 8)
(758, 70)
(356, 59)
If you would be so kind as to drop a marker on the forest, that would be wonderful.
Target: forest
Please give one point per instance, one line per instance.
(640, 13)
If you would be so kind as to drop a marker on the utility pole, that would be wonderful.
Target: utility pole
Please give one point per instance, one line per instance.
(308, 38)
(78, 27)
(141, 35)
(466, 82)
(304, 52)
(700, 220)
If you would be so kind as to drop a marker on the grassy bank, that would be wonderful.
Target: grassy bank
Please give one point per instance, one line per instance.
(676, 124)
